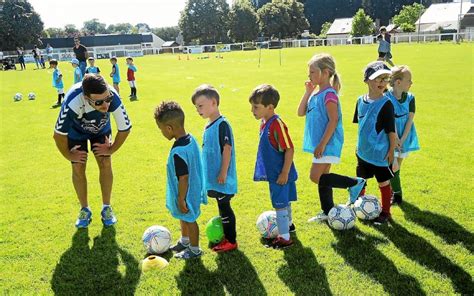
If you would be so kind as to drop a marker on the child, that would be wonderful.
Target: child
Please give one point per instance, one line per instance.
(218, 156)
(77, 71)
(43, 65)
(92, 69)
(384, 46)
(131, 78)
(115, 74)
(275, 160)
(376, 137)
(407, 139)
(57, 81)
(324, 136)
(186, 185)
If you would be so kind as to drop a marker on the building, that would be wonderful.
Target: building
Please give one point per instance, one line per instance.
(340, 29)
(442, 16)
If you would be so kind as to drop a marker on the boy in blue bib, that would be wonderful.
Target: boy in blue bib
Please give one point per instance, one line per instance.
(92, 69)
(57, 82)
(275, 160)
(77, 71)
(185, 190)
(115, 74)
(218, 158)
(376, 137)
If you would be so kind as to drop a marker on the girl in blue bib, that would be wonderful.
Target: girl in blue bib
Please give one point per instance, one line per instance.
(323, 134)
(404, 107)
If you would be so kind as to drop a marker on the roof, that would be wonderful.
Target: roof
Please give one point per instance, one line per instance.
(100, 40)
(340, 26)
(443, 15)
(170, 44)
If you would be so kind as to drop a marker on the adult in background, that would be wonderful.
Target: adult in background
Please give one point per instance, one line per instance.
(81, 54)
(21, 57)
(36, 56)
(49, 52)
(85, 117)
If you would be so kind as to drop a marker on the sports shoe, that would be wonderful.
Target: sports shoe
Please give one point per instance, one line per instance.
(281, 243)
(133, 98)
(179, 247)
(108, 217)
(188, 254)
(225, 246)
(319, 218)
(56, 105)
(292, 227)
(355, 190)
(396, 199)
(382, 218)
(84, 219)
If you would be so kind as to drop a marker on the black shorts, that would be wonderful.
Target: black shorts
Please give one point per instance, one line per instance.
(83, 143)
(367, 170)
(382, 54)
(219, 196)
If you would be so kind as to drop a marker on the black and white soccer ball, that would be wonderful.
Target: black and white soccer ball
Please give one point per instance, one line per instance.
(367, 207)
(17, 97)
(31, 96)
(341, 217)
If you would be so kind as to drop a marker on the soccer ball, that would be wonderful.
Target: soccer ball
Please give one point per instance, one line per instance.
(156, 239)
(267, 224)
(31, 96)
(367, 207)
(341, 217)
(215, 230)
(17, 97)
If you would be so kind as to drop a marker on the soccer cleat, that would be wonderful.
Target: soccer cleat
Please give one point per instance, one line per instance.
(281, 243)
(292, 227)
(355, 190)
(133, 98)
(319, 218)
(225, 246)
(382, 218)
(56, 105)
(396, 199)
(84, 219)
(188, 254)
(179, 247)
(108, 217)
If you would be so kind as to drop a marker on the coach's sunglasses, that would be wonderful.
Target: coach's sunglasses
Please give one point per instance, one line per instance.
(101, 102)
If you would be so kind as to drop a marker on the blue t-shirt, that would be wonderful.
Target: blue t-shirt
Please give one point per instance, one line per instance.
(77, 75)
(92, 70)
(79, 120)
(116, 77)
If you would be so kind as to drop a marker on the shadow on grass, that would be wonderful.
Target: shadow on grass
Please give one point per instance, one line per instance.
(91, 271)
(445, 227)
(419, 250)
(303, 274)
(359, 250)
(237, 274)
(195, 279)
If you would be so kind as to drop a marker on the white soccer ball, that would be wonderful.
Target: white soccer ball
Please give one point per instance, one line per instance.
(267, 224)
(17, 97)
(341, 217)
(367, 207)
(31, 96)
(156, 239)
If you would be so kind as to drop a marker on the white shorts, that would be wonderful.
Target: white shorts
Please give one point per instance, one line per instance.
(401, 155)
(327, 159)
(60, 91)
(132, 83)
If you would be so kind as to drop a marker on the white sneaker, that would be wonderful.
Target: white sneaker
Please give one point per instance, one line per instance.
(319, 218)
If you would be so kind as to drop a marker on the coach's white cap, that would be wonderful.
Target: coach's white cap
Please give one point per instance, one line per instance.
(375, 69)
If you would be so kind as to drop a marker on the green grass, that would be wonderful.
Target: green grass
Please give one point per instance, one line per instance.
(427, 250)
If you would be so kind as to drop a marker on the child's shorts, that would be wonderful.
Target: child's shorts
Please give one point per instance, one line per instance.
(132, 83)
(219, 196)
(281, 195)
(116, 82)
(402, 154)
(60, 91)
(327, 159)
(367, 170)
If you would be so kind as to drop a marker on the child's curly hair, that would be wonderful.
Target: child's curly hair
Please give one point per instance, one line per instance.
(169, 112)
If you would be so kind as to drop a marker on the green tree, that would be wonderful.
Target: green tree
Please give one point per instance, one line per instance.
(93, 27)
(325, 28)
(53, 33)
(282, 18)
(259, 3)
(408, 16)
(166, 33)
(120, 28)
(70, 30)
(143, 27)
(19, 25)
(205, 21)
(243, 22)
(362, 24)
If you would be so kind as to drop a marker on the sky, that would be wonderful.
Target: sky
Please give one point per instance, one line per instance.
(157, 13)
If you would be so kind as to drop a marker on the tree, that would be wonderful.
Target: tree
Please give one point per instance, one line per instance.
(120, 28)
(325, 28)
(243, 22)
(408, 16)
(204, 21)
(282, 18)
(143, 27)
(362, 24)
(93, 27)
(19, 25)
(53, 33)
(320, 11)
(70, 30)
(166, 33)
(259, 3)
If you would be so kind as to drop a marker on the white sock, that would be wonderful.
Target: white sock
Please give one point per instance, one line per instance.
(105, 206)
(194, 249)
(184, 240)
(286, 236)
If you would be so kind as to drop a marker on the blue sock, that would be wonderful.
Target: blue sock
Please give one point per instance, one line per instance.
(282, 223)
(290, 214)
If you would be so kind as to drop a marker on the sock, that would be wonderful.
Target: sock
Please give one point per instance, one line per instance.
(326, 198)
(337, 181)
(194, 249)
(59, 99)
(386, 192)
(290, 214)
(87, 208)
(184, 240)
(135, 91)
(228, 220)
(131, 91)
(104, 206)
(282, 224)
(396, 183)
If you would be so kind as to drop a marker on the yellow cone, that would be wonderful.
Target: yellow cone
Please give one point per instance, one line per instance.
(153, 262)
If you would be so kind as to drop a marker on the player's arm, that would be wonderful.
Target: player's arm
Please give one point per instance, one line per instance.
(183, 184)
(226, 153)
(388, 117)
(284, 143)
(304, 100)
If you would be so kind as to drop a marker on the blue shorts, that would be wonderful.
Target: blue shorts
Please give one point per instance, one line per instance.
(281, 195)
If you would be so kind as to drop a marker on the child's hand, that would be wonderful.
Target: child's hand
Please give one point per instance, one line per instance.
(111, 74)
(390, 156)
(182, 206)
(102, 149)
(222, 178)
(77, 155)
(318, 152)
(309, 86)
(399, 144)
(282, 178)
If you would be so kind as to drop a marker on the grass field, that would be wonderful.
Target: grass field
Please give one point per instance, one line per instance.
(428, 249)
